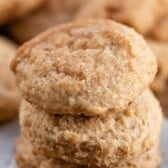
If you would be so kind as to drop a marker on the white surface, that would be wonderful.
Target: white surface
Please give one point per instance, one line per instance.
(9, 131)
(164, 144)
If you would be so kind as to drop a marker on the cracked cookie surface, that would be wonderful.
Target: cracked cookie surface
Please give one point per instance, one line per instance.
(84, 67)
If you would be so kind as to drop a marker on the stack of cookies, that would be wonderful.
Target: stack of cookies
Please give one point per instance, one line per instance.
(87, 101)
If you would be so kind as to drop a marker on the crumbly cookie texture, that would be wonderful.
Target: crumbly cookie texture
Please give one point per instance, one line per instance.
(28, 157)
(13, 9)
(9, 96)
(160, 84)
(96, 141)
(85, 67)
(53, 12)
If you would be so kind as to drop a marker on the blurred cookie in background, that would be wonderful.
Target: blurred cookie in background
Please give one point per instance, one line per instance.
(158, 35)
(9, 96)
(92, 9)
(160, 85)
(5, 8)
(52, 13)
(13, 9)
(140, 15)
(160, 30)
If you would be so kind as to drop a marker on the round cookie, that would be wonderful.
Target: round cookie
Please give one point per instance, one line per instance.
(13, 9)
(28, 157)
(160, 84)
(9, 96)
(96, 141)
(52, 13)
(85, 67)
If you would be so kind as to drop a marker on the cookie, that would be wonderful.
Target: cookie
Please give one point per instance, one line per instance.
(13, 9)
(160, 30)
(85, 67)
(52, 13)
(57, 11)
(5, 7)
(129, 12)
(133, 13)
(95, 141)
(9, 96)
(163, 5)
(28, 157)
(160, 85)
(94, 9)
